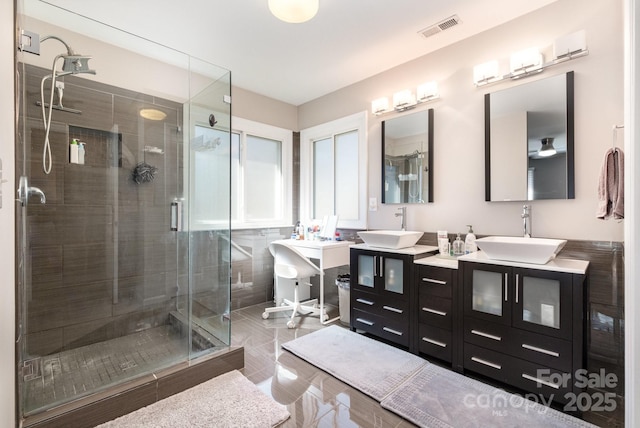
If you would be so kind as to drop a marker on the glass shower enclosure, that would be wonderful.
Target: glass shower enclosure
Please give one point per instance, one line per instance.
(122, 271)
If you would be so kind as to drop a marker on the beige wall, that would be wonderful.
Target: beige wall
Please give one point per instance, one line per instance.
(459, 126)
(252, 106)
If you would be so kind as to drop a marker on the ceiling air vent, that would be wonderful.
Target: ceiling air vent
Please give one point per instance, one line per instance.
(440, 26)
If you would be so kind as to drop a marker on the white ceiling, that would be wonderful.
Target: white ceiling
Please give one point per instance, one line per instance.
(347, 41)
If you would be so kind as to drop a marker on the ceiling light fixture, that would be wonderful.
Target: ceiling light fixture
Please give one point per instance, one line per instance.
(547, 149)
(294, 11)
(152, 114)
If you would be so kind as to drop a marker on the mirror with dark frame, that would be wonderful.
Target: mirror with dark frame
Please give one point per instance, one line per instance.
(529, 141)
(407, 158)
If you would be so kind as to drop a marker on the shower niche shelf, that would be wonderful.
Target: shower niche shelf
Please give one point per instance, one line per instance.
(102, 148)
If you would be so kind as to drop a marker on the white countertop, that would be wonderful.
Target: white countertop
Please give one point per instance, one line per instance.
(315, 244)
(555, 265)
(413, 251)
(448, 262)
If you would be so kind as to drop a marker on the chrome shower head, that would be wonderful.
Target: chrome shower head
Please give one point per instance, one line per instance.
(74, 64)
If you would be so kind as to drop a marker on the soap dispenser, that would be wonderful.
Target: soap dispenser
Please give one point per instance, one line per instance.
(458, 246)
(470, 241)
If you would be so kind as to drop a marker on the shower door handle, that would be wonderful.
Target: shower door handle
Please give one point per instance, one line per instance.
(176, 216)
(24, 190)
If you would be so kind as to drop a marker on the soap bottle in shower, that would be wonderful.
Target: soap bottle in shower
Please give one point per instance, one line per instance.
(81, 153)
(73, 151)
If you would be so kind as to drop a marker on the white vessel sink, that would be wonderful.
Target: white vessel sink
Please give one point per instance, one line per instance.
(520, 249)
(390, 238)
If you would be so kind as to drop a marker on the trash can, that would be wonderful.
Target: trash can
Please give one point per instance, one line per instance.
(344, 295)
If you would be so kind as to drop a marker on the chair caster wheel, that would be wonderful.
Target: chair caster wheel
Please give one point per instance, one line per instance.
(265, 315)
(291, 324)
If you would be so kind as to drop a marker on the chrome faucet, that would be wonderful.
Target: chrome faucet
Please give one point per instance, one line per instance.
(403, 214)
(526, 220)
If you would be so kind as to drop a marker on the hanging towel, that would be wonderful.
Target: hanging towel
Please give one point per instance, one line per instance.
(611, 186)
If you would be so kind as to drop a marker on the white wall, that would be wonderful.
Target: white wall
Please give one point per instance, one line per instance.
(459, 123)
(632, 200)
(7, 268)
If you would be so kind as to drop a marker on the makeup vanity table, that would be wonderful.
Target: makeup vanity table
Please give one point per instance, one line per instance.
(329, 254)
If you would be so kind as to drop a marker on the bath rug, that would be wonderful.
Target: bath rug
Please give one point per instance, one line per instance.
(226, 401)
(368, 365)
(439, 398)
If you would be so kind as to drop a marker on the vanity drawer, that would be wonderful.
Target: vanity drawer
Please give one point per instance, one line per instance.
(540, 349)
(435, 342)
(539, 379)
(364, 301)
(435, 311)
(434, 281)
(394, 331)
(393, 309)
(495, 365)
(537, 348)
(532, 377)
(487, 334)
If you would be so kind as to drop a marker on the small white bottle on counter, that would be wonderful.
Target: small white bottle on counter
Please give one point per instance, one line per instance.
(470, 241)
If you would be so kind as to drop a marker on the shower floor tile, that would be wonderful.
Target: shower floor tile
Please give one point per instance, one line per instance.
(82, 371)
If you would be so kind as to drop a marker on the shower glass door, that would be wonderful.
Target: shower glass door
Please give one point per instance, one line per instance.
(209, 204)
(117, 276)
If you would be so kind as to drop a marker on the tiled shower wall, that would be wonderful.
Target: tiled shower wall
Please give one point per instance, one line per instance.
(105, 262)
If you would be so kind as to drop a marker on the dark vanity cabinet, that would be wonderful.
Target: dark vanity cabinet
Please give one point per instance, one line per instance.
(435, 289)
(524, 326)
(381, 293)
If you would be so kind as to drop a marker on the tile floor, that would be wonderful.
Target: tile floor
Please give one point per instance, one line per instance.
(313, 397)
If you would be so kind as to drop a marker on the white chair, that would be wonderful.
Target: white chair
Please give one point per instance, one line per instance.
(289, 263)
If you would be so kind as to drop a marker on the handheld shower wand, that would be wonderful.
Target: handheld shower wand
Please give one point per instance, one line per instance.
(73, 64)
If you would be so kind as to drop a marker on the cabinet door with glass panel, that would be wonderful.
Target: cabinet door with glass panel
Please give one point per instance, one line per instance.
(530, 299)
(486, 292)
(381, 272)
(543, 302)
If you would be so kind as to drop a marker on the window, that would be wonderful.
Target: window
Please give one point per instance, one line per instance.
(261, 158)
(333, 171)
(260, 169)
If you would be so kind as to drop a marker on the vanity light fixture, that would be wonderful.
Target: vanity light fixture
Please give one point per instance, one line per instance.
(427, 91)
(379, 106)
(486, 72)
(294, 11)
(568, 46)
(405, 100)
(526, 62)
(546, 149)
(530, 61)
